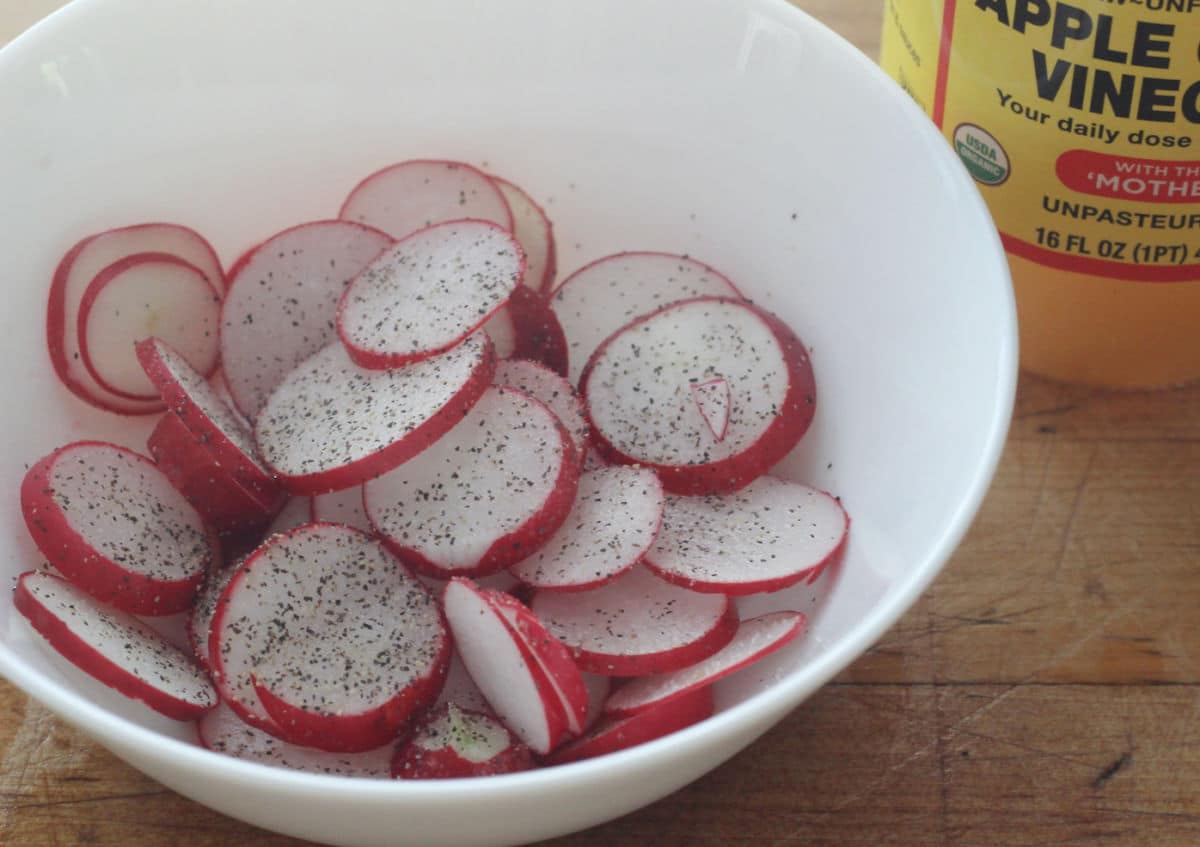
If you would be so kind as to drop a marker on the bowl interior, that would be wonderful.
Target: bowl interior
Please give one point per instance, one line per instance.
(740, 133)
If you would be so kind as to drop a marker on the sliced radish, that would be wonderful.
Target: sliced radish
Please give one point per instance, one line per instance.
(339, 643)
(199, 623)
(222, 731)
(637, 387)
(282, 302)
(486, 495)
(637, 624)
(612, 524)
(601, 297)
(452, 742)
(75, 273)
(614, 734)
(344, 507)
(223, 502)
(713, 400)
(500, 663)
(297, 511)
(526, 328)
(428, 292)
(769, 535)
(144, 295)
(543, 384)
(402, 198)
(755, 639)
(534, 230)
(332, 425)
(114, 647)
(598, 688)
(459, 688)
(111, 522)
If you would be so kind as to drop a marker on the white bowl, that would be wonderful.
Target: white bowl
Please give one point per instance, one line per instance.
(743, 133)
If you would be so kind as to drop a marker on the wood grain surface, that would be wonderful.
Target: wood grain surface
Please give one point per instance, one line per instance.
(1043, 692)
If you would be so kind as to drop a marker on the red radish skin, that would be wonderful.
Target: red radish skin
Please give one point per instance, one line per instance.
(605, 295)
(222, 731)
(756, 638)
(111, 522)
(615, 519)
(317, 438)
(769, 535)
(712, 399)
(339, 644)
(533, 228)
(76, 271)
(114, 647)
(490, 492)
(614, 734)
(545, 385)
(537, 334)
(637, 388)
(428, 292)
(452, 743)
(281, 306)
(199, 623)
(215, 424)
(407, 196)
(637, 624)
(503, 668)
(143, 295)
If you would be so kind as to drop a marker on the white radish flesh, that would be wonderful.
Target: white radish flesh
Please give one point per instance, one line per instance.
(713, 400)
(297, 511)
(543, 384)
(344, 507)
(199, 622)
(534, 230)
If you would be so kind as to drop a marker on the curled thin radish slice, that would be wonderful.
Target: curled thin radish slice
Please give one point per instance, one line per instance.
(208, 417)
(402, 198)
(639, 396)
(488, 493)
(534, 230)
(344, 507)
(713, 400)
(114, 647)
(75, 273)
(612, 524)
(332, 425)
(613, 734)
(335, 639)
(428, 292)
(543, 384)
(755, 639)
(143, 295)
(199, 623)
(500, 663)
(222, 731)
(452, 742)
(769, 535)
(282, 302)
(111, 522)
(601, 297)
(637, 624)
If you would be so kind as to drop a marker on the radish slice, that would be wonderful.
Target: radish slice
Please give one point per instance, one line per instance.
(337, 640)
(486, 495)
(213, 423)
(637, 388)
(402, 198)
(755, 639)
(500, 663)
(143, 295)
(282, 302)
(598, 688)
(428, 292)
(114, 647)
(344, 507)
(75, 273)
(713, 400)
(769, 535)
(611, 735)
(199, 623)
(203, 481)
(534, 230)
(459, 688)
(332, 425)
(526, 328)
(546, 386)
(111, 522)
(600, 298)
(614, 521)
(637, 624)
(297, 511)
(452, 742)
(222, 731)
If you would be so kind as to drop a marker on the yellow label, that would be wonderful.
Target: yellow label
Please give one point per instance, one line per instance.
(1080, 121)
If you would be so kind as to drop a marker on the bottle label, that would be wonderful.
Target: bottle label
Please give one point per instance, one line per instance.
(1080, 121)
